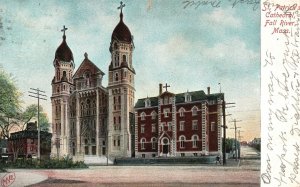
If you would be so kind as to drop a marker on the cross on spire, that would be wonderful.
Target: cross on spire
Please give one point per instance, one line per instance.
(64, 30)
(166, 86)
(121, 6)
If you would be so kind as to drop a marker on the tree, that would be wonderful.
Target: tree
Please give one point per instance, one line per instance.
(9, 103)
(31, 112)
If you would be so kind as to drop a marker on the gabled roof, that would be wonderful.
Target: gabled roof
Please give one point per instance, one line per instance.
(87, 65)
(180, 98)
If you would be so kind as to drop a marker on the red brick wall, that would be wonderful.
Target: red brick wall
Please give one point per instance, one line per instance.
(148, 134)
(213, 135)
(188, 131)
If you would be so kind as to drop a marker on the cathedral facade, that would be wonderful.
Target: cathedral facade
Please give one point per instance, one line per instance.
(89, 119)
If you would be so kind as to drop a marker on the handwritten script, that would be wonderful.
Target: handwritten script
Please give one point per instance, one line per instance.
(281, 98)
(218, 3)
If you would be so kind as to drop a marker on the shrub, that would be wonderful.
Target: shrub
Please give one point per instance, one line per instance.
(46, 164)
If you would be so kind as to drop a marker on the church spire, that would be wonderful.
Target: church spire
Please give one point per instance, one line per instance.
(64, 31)
(121, 7)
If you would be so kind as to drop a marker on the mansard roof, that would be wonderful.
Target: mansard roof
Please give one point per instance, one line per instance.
(180, 98)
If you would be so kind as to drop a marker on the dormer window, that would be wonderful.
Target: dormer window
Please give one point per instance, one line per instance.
(147, 103)
(188, 97)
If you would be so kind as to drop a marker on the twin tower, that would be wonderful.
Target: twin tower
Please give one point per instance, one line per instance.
(89, 119)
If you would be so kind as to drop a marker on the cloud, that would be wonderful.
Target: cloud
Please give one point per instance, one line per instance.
(232, 51)
(221, 17)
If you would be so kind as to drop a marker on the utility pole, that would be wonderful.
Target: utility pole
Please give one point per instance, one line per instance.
(235, 128)
(239, 136)
(37, 94)
(224, 127)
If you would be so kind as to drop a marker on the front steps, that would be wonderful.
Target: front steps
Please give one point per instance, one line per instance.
(93, 160)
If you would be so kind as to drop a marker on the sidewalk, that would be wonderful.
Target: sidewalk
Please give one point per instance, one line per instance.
(19, 177)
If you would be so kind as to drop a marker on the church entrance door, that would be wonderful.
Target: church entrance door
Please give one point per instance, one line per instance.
(165, 145)
(165, 149)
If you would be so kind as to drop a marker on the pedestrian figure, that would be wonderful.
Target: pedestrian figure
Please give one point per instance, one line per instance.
(218, 159)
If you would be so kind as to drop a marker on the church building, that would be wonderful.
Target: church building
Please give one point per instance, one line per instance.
(178, 125)
(89, 119)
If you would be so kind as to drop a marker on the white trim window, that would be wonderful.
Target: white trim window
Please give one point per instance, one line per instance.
(195, 125)
(153, 127)
(143, 128)
(143, 141)
(169, 126)
(181, 126)
(153, 115)
(162, 127)
(181, 112)
(166, 112)
(194, 111)
(182, 140)
(143, 116)
(188, 97)
(212, 126)
(147, 103)
(195, 140)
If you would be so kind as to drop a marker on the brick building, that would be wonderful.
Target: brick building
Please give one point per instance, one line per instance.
(25, 143)
(184, 124)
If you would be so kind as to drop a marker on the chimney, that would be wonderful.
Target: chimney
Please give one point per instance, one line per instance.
(160, 88)
(208, 90)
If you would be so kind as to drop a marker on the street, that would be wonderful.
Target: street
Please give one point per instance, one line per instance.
(243, 173)
(152, 176)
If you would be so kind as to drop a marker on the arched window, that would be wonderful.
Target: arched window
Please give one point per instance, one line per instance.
(195, 139)
(153, 115)
(181, 112)
(182, 140)
(124, 58)
(143, 141)
(81, 108)
(88, 104)
(116, 77)
(143, 116)
(194, 111)
(188, 97)
(147, 103)
(154, 142)
(213, 126)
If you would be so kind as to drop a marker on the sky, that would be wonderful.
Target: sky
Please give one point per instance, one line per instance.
(188, 48)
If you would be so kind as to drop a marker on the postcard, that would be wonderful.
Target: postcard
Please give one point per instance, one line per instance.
(149, 93)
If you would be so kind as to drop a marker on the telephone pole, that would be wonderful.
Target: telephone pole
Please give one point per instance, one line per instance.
(224, 127)
(37, 94)
(235, 128)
